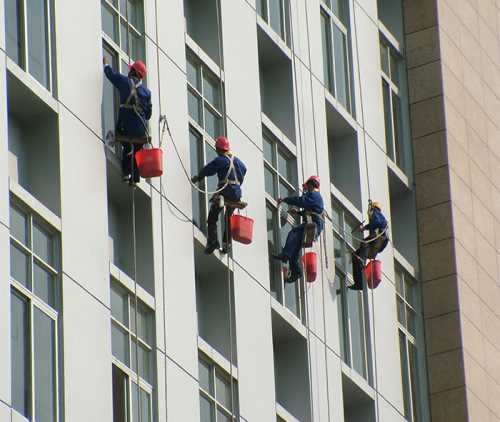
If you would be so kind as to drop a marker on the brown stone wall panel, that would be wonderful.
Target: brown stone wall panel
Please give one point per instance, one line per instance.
(427, 117)
(469, 301)
(489, 292)
(443, 333)
(488, 11)
(490, 72)
(475, 116)
(489, 41)
(446, 371)
(440, 296)
(451, 56)
(419, 15)
(494, 166)
(422, 47)
(432, 187)
(493, 136)
(478, 410)
(464, 230)
(491, 107)
(437, 260)
(435, 223)
(475, 378)
(490, 325)
(468, 15)
(493, 390)
(472, 81)
(492, 360)
(483, 220)
(458, 159)
(481, 184)
(470, 47)
(486, 256)
(429, 152)
(497, 237)
(449, 406)
(479, 150)
(425, 82)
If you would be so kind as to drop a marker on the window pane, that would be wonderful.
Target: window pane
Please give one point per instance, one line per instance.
(45, 379)
(285, 190)
(356, 324)
(394, 62)
(415, 383)
(404, 373)
(136, 46)
(135, 403)
(19, 266)
(108, 108)
(335, 217)
(120, 395)
(211, 90)
(341, 67)
(276, 18)
(193, 74)
(198, 199)
(205, 377)
(326, 41)
(14, 30)
(292, 298)
(269, 151)
(206, 410)
(42, 244)
(262, 9)
(270, 181)
(44, 286)
(109, 22)
(38, 61)
(412, 321)
(19, 225)
(286, 167)
(386, 92)
(212, 123)
(410, 291)
(136, 14)
(144, 361)
(144, 321)
(20, 354)
(194, 106)
(222, 416)
(120, 344)
(145, 406)
(398, 129)
(124, 36)
(342, 315)
(223, 390)
(119, 305)
(337, 253)
(401, 311)
(399, 281)
(384, 59)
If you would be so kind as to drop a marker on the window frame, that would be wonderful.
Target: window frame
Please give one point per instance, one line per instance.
(49, 39)
(331, 80)
(285, 35)
(203, 102)
(33, 301)
(215, 369)
(343, 276)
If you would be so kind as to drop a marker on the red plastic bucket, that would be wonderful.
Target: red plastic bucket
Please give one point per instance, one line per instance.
(310, 266)
(373, 273)
(149, 162)
(241, 229)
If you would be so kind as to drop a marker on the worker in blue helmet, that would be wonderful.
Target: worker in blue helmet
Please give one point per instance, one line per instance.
(135, 111)
(230, 171)
(310, 203)
(372, 245)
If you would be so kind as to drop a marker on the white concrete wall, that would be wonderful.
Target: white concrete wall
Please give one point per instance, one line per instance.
(83, 196)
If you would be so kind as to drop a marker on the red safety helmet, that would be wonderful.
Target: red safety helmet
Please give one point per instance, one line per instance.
(139, 67)
(314, 180)
(222, 144)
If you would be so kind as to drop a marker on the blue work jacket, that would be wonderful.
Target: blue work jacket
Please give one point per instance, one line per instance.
(377, 222)
(309, 201)
(220, 166)
(129, 123)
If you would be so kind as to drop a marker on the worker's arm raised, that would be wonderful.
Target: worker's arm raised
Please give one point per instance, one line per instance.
(117, 79)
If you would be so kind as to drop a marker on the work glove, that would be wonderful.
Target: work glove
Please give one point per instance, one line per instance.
(195, 179)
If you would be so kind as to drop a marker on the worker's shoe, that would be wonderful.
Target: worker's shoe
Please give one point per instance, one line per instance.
(212, 246)
(280, 257)
(357, 285)
(226, 248)
(126, 178)
(293, 277)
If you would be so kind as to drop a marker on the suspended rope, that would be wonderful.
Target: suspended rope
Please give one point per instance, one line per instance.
(306, 301)
(369, 195)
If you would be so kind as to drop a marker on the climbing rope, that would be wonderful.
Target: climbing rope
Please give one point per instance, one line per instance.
(306, 301)
(369, 195)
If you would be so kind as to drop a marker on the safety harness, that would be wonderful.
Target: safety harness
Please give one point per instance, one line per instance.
(135, 106)
(218, 198)
(310, 228)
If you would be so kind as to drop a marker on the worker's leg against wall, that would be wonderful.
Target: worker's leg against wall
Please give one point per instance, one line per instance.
(135, 170)
(213, 216)
(126, 164)
(227, 224)
(294, 240)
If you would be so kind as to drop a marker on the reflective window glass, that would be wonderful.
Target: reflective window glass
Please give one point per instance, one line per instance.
(19, 266)
(19, 227)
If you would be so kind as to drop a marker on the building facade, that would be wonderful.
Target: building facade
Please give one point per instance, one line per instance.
(109, 307)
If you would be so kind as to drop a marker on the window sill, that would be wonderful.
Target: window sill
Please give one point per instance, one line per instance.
(265, 27)
(214, 355)
(122, 278)
(284, 414)
(289, 317)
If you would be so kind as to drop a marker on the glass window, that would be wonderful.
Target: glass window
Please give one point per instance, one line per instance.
(216, 397)
(44, 284)
(109, 105)
(14, 29)
(19, 227)
(42, 244)
(119, 304)
(336, 57)
(352, 305)
(20, 354)
(276, 14)
(19, 265)
(109, 22)
(204, 99)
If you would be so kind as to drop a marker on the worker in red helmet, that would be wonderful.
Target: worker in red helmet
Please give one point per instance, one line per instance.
(135, 111)
(311, 203)
(230, 171)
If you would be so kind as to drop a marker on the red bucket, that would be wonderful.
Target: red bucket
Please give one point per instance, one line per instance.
(310, 266)
(373, 273)
(149, 162)
(241, 229)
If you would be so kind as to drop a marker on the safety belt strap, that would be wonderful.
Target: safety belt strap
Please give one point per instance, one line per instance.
(230, 169)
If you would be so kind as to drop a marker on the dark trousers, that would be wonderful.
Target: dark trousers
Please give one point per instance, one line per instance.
(213, 218)
(129, 165)
(292, 248)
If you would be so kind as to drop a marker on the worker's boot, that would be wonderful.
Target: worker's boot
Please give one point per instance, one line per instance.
(293, 277)
(212, 245)
(280, 257)
(226, 248)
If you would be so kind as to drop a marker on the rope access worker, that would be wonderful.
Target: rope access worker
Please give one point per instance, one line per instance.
(135, 111)
(311, 203)
(372, 245)
(230, 171)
